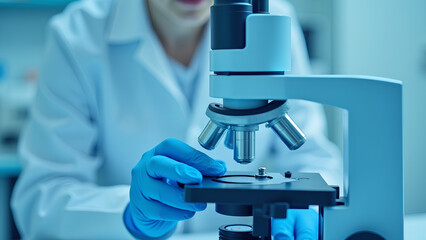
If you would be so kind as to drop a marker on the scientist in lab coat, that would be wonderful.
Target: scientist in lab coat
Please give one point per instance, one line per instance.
(119, 78)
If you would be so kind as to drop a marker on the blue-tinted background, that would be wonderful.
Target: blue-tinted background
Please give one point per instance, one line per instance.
(384, 38)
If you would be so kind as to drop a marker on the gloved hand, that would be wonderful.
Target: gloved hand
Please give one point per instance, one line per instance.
(300, 224)
(156, 201)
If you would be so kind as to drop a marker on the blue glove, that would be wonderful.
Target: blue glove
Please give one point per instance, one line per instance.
(300, 224)
(156, 200)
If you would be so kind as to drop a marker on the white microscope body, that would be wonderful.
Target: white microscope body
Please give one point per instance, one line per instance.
(373, 161)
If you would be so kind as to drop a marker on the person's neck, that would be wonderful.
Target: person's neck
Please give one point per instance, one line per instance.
(179, 42)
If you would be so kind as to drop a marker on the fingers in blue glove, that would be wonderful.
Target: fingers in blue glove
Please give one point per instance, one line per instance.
(183, 153)
(173, 161)
(306, 226)
(161, 211)
(300, 224)
(283, 229)
(164, 201)
(155, 202)
(165, 167)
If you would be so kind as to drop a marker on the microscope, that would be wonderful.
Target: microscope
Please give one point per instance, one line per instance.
(249, 57)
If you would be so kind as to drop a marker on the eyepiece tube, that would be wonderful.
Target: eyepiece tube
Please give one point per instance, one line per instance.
(211, 135)
(228, 23)
(260, 6)
(288, 131)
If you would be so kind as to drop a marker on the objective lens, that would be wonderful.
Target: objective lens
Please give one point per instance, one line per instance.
(288, 132)
(244, 145)
(211, 135)
(229, 140)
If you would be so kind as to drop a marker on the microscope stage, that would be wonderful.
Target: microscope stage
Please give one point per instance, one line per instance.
(299, 190)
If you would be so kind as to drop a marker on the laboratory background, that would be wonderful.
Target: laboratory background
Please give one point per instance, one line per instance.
(385, 38)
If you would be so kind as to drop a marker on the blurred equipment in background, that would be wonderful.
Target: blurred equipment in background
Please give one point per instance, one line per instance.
(22, 38)
(15, 99)
(1, 70)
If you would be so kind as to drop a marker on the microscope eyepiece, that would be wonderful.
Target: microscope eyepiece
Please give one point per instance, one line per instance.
(228, 23)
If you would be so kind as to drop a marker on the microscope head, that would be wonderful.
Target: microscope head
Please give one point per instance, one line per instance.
(246, 41)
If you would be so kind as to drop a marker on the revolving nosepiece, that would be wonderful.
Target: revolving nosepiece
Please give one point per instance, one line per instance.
(211, 135)
(242, 125)
(288, 131)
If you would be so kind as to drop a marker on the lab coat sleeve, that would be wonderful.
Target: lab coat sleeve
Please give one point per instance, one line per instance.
(56, 196)
(318, 154)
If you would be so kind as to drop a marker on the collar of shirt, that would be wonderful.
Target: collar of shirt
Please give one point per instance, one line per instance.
(188, 77)
(129, 21)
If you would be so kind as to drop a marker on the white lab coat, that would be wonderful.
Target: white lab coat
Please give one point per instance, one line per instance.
(107, 95)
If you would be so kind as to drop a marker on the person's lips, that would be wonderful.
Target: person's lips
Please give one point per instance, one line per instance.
(191, 2)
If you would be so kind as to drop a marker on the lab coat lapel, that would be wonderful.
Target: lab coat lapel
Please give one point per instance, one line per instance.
(152, 57)
(131, 23)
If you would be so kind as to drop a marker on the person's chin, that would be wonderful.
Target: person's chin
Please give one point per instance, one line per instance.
(192, 21)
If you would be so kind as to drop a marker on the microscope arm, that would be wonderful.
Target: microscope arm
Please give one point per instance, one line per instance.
(325, 89)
